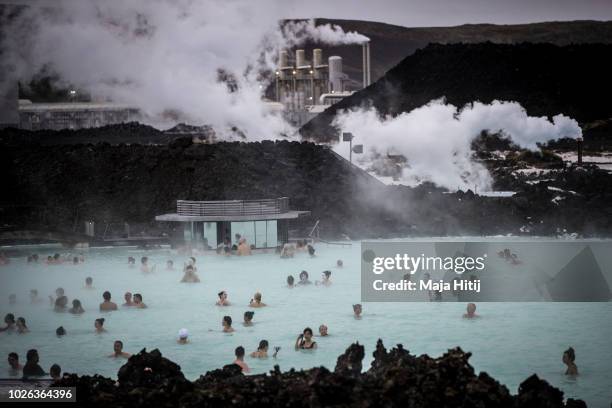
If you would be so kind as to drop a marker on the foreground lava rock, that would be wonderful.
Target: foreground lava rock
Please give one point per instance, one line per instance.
(396, 378)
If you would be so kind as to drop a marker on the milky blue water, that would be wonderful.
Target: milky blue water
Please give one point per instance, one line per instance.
(510, 341)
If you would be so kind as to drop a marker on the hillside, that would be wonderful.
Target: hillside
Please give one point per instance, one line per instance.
(545, 79)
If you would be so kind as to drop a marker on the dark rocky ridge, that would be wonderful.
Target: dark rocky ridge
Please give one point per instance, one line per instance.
(395, 379)
(57, 187)
(545, 79)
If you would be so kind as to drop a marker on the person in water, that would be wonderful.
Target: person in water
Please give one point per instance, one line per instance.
(138, 301)
(21, 326)
(76, 307)
(31, 367)
(99, 325)
(471, 311)
(190, 275)
(311, 251)
(61, 303)
(222, 299)
(60, 331)
(288, 251)
(55, 372)
(144, 265)
(34, 296)
(357, 310)
(339, 263)
(248, 318)
(9, 320)
(183, 336)
(131, 261)
(569, 358)
(325, 281)
(14, 366)
(304, 341)
(118, 350)
(256, 301)
(89, 282)
(304, 278)
(239, 352)
(59, 292)
(323, 330)
(262, 350)
(243, 248)
(227, 324)
(128, 299)
(169, 265)
(107, 305)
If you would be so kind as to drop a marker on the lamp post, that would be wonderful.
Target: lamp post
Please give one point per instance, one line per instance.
(358, 149)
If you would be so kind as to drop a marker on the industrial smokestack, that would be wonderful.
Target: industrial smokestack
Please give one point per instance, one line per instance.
(365, 55)
(300, 58)
(335, 74)
(317, 57)
(282, 59)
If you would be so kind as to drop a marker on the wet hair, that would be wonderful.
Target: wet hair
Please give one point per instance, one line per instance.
(56, 256)
(249, 315)
(308, 329)
(262, 345)
(144, 259)
(339, 262)
(137, 295)
(9, 318)
(234, 247)
(14, 355)
(106, 295)
(290, 279)
(61, 301)
(76, 303)
(327, 273)
(304, 273)
(571, 354)
(257, 296)
(88, 279)
(311, 250)
(356, 306)
(22, 321)
(189, 268)
(55, 370)
(239, 351)
(131, 259)
(101, 321)
(221, 293)
(228, 320)
(31, 354)
(59, 291)
(120, 342)
(60, 331)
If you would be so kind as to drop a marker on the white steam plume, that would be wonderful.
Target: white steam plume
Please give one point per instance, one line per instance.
(297, 32)
(436, 138)
(164, 57)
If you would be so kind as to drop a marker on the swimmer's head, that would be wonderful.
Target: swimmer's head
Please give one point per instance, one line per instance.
(183, 334)
(9, 318)
(106, 296)
(59, 292)
(569, 356)
(303, 275)
(76, 303)
(21, 322)
(99, 323)
(227, 321)
(13, 359)
(60, 331)
(263, 345)
(144, 260)
(248, 316)
(290, 280)
(323, 330)
(307, 333)
(339, 263)
(357, 309)
(88, 281)
(75, 260)
(311, 250)
(327, 274)
(128, 297)
(118, 346)
(222, 295)
(471, 308)
(55, 371)
(257, 296)
(239, 352)
(131, 260)
(32, 356)
(137, 298)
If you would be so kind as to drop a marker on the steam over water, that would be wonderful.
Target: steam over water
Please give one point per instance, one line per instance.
(510, 341)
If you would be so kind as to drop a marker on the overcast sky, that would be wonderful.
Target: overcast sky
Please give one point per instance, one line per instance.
(425, 13)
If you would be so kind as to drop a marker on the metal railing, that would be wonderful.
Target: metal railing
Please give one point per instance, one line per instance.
(232, 207)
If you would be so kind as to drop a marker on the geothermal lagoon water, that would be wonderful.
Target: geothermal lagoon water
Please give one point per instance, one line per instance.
(510, 341)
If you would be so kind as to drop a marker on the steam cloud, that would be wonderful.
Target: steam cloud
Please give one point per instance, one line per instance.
(436, 138)
(165, 57)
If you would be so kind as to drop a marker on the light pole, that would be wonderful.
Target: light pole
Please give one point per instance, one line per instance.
(358, 149)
